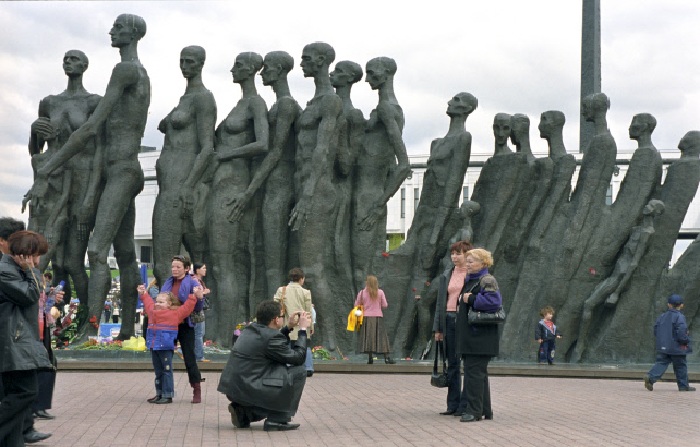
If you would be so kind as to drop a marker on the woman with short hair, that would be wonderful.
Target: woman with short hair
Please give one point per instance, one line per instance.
(22, 351)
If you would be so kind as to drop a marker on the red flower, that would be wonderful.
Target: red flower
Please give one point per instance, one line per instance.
(385, 254)
(413, 289)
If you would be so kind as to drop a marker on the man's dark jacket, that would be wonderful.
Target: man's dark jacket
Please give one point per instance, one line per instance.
(257, 374)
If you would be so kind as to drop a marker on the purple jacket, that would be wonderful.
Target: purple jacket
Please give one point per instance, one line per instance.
(186, 288)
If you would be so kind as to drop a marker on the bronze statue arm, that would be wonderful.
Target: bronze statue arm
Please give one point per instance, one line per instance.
(123, 75)
(262, 135)
(388, 116)
(41, 129)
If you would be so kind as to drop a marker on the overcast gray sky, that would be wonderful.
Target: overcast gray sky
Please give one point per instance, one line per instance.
(515, 56)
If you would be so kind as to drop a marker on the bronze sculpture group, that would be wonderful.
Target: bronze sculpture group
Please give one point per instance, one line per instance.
(271, 189)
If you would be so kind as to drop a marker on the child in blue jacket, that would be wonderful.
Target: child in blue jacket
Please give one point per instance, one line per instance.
(672, 345)
(164, 316)
(546, 333)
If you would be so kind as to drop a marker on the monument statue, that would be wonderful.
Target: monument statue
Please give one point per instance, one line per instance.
(638, 306)
(407, 271)
(241, 139)
(343, 77)
(275, 176)
(609, 290)
(270, 190)
(382, 165)
(63, 204)
(319, 129)
(186, 154)
(119, 119)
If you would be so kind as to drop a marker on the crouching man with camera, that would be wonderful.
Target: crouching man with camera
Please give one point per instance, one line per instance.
(264, 378)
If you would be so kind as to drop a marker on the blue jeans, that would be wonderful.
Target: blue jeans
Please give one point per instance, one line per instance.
(456, 400)
(680, 369)
(163, 367)
(309, 361)
(199, 341)
(546, 352)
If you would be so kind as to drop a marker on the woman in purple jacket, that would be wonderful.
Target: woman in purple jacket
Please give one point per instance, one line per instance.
(181, 284)
(477, 344)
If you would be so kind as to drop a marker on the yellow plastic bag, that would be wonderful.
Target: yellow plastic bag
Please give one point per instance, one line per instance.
(134, 344)
(355, 318)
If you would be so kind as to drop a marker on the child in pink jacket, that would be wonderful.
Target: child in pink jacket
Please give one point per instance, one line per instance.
(164, 316)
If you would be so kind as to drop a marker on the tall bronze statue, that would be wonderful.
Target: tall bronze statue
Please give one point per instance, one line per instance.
(119, 118)
(274, 179)
(63, 204)
(178, 213)
(382, 165)
(242, 138)
(316, 197)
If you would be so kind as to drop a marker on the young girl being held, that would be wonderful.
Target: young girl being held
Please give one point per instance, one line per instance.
(164, 316)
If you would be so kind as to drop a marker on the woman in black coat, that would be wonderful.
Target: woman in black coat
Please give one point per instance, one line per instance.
(477, 344)
(22, 351)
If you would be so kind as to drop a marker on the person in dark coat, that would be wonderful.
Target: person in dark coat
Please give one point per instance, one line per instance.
(444, 325)
(22, 351)
(265, 377)
(477, 344)
(672, 345)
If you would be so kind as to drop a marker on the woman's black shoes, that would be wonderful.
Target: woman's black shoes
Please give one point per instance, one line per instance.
(389, 360)
(467, 417)
(448, 412)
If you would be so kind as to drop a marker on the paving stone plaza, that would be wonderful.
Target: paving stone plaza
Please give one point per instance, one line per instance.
(109, 408)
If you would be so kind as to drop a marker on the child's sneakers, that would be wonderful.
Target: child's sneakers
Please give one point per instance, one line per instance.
(648, 384)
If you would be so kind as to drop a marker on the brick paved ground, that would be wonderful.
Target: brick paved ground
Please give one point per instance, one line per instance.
(109, 409)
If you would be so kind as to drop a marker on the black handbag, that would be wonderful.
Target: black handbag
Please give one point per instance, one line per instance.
(476, 317)
(439, 379)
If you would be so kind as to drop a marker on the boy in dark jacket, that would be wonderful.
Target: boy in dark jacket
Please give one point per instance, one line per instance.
(164, 316)
(672, 345)
(546, 333)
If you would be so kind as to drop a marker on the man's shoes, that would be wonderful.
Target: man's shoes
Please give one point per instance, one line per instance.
(448, 412)
(238, 417)
(279, 426)
(153, 399)
(648, 384)
(467, 417)
(33, 436)
(309, 373)
(163, 400)
(687, 388)
(488, 416)
(389, 361)
(42, 414)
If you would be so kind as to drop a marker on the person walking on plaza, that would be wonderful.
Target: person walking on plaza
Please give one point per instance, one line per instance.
(182, 285)
(264, 377)
(294, 298)
(546, 334)
(22, 351)
(672, 345)
(164, 316)
(373, 336)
